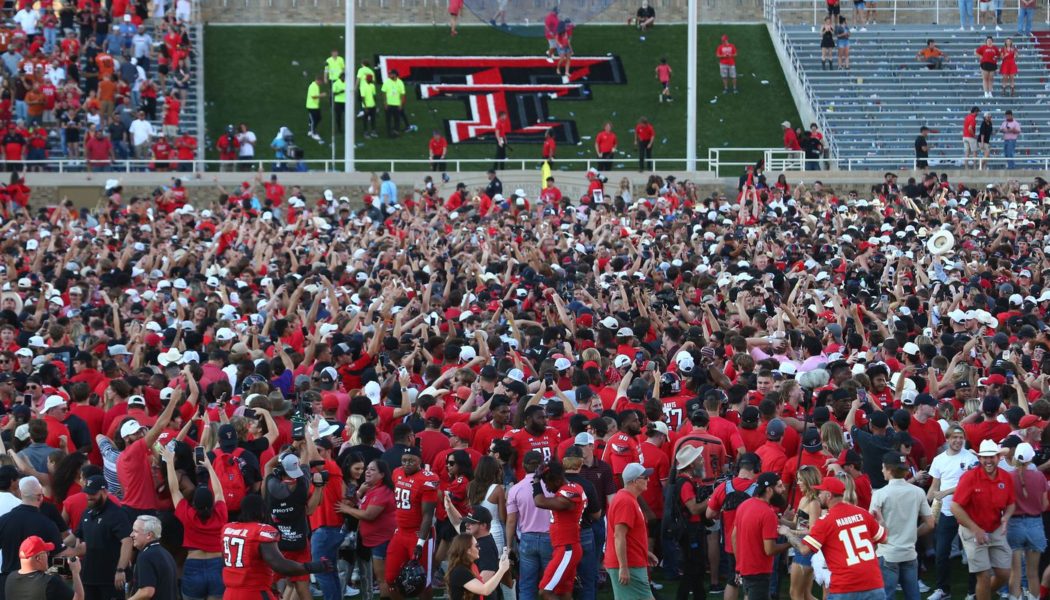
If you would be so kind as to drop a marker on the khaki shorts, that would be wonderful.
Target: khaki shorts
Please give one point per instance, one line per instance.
(970, 144)
(727, 71)
(982, 557)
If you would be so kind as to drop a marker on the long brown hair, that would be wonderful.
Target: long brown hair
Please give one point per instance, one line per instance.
(459, 556)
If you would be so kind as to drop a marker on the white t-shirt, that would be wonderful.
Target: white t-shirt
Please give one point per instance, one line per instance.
(949, 468)
(140, 130)
(27, 19)
(247, 149)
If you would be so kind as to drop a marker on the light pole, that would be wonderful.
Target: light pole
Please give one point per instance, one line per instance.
(691, 51)
(350, 108)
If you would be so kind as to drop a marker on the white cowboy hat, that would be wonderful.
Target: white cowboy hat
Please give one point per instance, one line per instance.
(940, 242)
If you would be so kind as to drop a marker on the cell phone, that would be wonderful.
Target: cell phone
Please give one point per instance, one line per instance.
(1010, 377)
(27, 399)
(198, 454)
(249, 413)
(639, 357)
(549, 379)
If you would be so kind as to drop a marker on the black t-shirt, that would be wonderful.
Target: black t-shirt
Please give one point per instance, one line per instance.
(457, 578)
(37, 585)
(102, 530)
(589, 491)
(488, 559)
(18, 524)
(155, 568)
(368, 453)
(922, 147)
(646, 12)
(288, 511)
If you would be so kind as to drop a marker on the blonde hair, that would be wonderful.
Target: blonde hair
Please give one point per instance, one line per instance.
(832, 438)
(353, 423)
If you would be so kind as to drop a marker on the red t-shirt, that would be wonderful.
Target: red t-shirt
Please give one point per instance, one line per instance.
(245, 567)
(727, 54)
(624, 510)
(621, 451)
(663, 72)
(523, 441)
(988, 54)
(644, 132)
(484, 435)
(606, 141)
(717, 500)
(503, 128)
(438, 146)
(430, 444)
(656, 459)
(136, 477)
(410, 492)
(549, 146)
(202, 535)
(988, 429)
(984, 498)
(565, 524)
(374, 533)
(847, 535)
(172, 106)
(756, 522)
(970, 126)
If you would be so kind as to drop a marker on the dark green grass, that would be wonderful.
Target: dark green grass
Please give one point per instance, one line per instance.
(259, 75)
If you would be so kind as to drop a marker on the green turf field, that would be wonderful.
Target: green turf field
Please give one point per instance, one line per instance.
(259, 75)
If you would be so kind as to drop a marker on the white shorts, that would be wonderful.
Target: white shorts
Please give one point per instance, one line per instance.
(982, 557)
(970, 144)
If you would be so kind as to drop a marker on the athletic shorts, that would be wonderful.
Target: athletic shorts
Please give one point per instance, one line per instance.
(302, 556)
(401, 549)
(727, 71)
(560, 574)
(970, 144)
(989, 66)
(636, 589)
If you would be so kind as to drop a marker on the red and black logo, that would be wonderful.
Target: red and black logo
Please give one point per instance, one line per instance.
(489, 85)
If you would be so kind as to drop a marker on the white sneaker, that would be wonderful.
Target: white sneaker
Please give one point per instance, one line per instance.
(962, 29)
(350, 592)
(656, 586)
(938, 595)
(863, 28)
(997, 28)
(972, 29)
(971, 596)
(923, 588)
(550, 60)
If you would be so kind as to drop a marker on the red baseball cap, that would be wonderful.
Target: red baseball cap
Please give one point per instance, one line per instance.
(33, 545)
(329, 401)
(463, 392)
(1031, 421)
(832, 485)
(462, 431)
(585, 320)
(993, 379)
(435, 412)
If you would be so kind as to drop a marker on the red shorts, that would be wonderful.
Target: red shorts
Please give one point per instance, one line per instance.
(246, 594)
(401, 549)
(302, 556)
(560, 574)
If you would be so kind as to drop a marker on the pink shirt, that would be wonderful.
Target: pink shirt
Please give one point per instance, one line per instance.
(530, 518)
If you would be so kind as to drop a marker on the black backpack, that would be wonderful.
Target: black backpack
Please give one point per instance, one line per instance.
(674, 521)
(734, 497)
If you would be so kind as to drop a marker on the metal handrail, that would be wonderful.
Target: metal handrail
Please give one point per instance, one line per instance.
(816, 9)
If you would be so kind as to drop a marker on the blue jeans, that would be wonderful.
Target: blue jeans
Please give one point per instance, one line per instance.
(875, 594)
(50, 39)
(325, 544)
(534, 552)
(965, 13)
(906, 573)
(587, 570)
(21, 110)
(202, 578)
(1024, 21)
(1009, 148)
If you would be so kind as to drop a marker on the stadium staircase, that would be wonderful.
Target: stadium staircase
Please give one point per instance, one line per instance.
(189, 117)
(874, 110)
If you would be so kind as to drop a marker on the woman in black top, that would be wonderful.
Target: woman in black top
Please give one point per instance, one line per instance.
(462, 579)
(984, 138)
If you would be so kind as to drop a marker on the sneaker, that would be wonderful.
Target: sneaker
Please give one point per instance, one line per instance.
(962, 29)
(971, 596)
(998, 28)
(972, 29)
(350, 592)
(923, 588)
(736, 91)
(657, 586)
(939, 595)
(360, 114)
(661, 96)
(413, 128)
(863, 29)
(717, 588)
(550, 60)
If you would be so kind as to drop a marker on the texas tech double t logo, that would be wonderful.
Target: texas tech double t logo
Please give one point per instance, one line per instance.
(489, 85)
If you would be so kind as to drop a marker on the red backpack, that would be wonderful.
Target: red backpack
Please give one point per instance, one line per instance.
(229, 468)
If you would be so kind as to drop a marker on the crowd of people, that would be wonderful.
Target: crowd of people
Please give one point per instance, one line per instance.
(281, 392)
(85, 82)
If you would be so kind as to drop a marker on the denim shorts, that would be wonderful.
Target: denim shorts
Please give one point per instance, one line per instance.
(202, 577)
(380, 550)
(1026, 533)
(802, 560)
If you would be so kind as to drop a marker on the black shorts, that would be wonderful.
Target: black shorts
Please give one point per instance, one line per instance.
(989, 66)
(445, 530)
(834, 10)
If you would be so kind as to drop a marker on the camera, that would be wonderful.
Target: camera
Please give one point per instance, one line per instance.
(298, 430)
(60, 565)
(198, 454)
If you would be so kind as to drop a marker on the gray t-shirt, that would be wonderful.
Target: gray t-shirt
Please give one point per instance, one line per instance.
(901, 505)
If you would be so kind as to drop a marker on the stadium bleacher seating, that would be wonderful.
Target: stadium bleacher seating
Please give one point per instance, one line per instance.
(875, 109)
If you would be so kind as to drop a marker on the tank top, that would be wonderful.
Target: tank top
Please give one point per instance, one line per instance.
(496, 528)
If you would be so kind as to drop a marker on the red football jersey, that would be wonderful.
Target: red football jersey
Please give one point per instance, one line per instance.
(621, 451)
(847, 535)
(674, 410)
(523, 441)
(565, 524)
(245, 567)
(410, 492)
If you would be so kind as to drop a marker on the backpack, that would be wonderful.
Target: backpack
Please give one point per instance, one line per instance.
(734, 497)
(675, 523)
(229, 468)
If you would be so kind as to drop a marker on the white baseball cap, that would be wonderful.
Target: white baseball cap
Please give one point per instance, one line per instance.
(53, 401)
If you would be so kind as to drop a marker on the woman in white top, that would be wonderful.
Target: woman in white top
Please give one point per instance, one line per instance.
(487, 490)
(246, 153)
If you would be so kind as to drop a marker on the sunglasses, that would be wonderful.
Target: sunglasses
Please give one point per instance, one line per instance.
(451, 463)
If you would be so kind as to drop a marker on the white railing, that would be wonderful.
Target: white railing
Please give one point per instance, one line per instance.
(772, 14)
(913, 11)
(938, 163)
